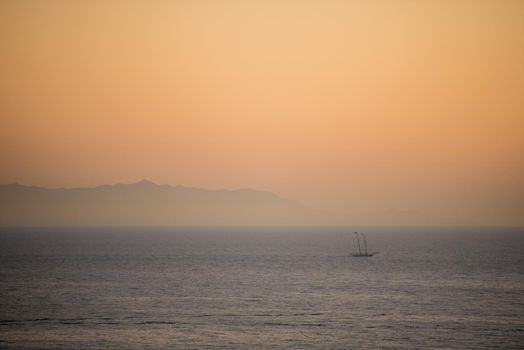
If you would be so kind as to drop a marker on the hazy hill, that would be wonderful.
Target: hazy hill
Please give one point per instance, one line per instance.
(144, 203)
(147, 204)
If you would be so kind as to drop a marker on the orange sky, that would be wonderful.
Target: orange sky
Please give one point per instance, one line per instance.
(349, 105)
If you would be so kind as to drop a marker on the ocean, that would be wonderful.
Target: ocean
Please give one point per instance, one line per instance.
(261, 288)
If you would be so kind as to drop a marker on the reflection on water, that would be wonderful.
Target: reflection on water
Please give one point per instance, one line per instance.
(261, 288)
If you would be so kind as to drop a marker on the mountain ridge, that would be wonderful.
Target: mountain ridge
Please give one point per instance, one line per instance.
(144, 203)
(140, 184)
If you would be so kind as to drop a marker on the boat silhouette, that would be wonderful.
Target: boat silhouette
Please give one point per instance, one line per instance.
(362, 253)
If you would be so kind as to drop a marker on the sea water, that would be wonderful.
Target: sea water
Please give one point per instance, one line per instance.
(256, 288)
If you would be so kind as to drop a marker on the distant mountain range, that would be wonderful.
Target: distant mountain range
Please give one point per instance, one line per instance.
(145, 203)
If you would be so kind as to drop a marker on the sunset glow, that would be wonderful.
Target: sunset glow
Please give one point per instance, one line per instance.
(365, 106)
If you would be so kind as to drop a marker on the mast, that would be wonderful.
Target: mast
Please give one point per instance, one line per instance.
(365, 244)
(358, 241)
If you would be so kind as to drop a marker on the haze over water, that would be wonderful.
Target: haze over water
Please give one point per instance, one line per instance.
(261, 288)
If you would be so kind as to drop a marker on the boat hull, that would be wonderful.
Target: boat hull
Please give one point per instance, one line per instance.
(357, 255)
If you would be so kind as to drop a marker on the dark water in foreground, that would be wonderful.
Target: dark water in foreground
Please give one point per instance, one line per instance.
(257, 288)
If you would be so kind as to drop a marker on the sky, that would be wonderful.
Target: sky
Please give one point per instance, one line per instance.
(352, 106)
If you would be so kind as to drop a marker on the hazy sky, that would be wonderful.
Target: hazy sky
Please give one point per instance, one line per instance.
(352, 105)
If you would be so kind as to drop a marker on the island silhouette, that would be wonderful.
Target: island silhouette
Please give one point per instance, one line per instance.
(144, 203)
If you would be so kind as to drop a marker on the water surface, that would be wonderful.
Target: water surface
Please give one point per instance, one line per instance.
(261, 288)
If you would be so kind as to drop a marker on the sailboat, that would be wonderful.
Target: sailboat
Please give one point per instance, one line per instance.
(361, 253)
